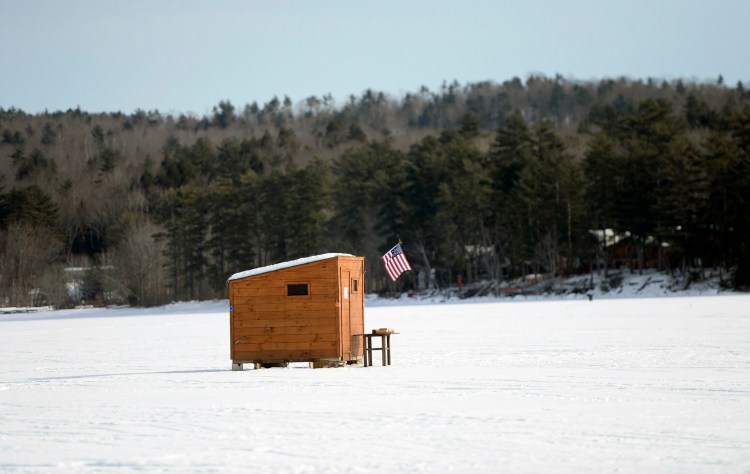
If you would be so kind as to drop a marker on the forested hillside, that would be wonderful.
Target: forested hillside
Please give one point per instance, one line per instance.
(483, 180)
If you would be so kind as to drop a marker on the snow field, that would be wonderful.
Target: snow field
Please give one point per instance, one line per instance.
(654, 385)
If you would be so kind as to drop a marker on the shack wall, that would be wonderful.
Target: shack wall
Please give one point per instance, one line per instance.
(269, 325)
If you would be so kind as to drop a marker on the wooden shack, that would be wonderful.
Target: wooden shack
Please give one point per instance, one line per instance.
(306, 310)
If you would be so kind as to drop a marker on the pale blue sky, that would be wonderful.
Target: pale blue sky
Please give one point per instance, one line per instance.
(186, 56)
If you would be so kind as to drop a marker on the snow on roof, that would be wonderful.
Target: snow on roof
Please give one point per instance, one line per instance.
(282, 265)
(609, 237)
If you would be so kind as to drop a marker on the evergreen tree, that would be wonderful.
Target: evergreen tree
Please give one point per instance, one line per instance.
(511, 151)
(600, 169)
(683, 201)
(29, 205)
(728, 162)
(231, 241)
(224, 114)
(354, 193)
(307, 217)
(427, 177)
(549, 190)
(645, 138)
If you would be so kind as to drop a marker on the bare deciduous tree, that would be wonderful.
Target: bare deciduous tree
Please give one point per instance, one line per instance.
(26, 254)
(139, 263)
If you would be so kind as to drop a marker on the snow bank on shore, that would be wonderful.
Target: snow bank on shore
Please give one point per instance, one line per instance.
(649, 284)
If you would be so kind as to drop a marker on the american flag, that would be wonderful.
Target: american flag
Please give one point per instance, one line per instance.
(395, 262)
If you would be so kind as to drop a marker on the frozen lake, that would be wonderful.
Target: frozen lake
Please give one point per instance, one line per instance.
(650, 385)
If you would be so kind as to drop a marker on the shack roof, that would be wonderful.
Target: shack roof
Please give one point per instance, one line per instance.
(289, 264)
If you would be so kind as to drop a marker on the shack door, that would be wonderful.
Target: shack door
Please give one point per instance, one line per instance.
(356, 312)
(346, 322)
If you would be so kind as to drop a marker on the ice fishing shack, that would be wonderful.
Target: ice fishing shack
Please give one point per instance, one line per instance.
(305, 310)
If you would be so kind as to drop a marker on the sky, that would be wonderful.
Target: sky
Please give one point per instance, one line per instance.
(184, 56)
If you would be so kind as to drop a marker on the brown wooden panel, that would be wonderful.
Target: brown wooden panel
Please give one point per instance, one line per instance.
(324, 279)
(264, 291)
(282, 330)
(300, 275)
(277, 285)
(311, 313)
(284, 338)
(262, 281)
(261, 299)
(280, 290)
(262, 303)
(261, 307)
(231, 328)
(256, 282)
(302, 305)
(325, 291)
(242, 316)
(285, 346)
(260, 323)
(283, 355)
(309, 305)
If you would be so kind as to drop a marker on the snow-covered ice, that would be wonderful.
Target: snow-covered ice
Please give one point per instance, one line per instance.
(630, 385)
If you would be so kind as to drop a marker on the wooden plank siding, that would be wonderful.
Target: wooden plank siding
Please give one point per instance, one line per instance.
(279, 330)
(267, 325)
(292, 319)
(292, 338)
(261, 306)
(292, 346)
(289, 355)
(317, 288)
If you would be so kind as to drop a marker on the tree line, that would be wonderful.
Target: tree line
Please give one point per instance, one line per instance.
(485, 181)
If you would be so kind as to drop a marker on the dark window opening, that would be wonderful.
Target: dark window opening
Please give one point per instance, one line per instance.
(297, 289)
(354, 286)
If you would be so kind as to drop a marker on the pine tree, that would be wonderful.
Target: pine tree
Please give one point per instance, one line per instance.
(683, 201)
(549, 189)
(600, 169)
(510, 153)
(309, 200)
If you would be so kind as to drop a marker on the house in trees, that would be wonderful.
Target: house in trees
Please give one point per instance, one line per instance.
(631, 253)
(626, 251)
(306, 310)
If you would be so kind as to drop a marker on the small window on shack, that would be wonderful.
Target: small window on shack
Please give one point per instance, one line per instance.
(297, 289)
(355, 285)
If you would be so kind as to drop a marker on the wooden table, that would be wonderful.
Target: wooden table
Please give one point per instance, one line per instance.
(385, 347)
